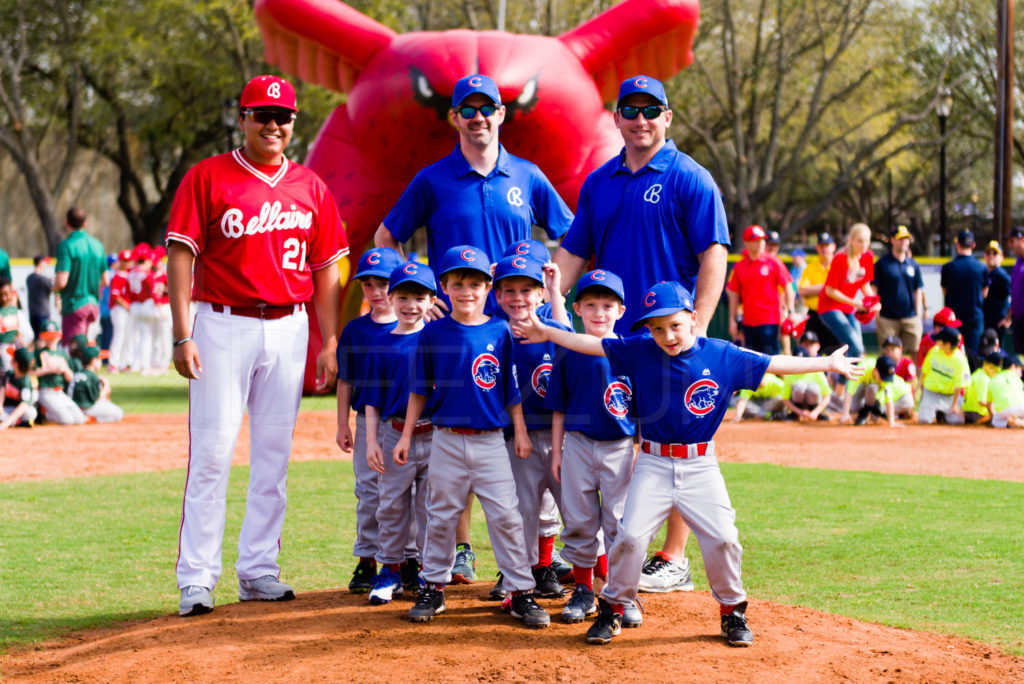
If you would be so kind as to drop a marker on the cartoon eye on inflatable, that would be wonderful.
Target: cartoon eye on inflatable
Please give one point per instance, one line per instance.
(523, 102)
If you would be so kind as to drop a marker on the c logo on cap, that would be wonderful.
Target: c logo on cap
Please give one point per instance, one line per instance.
(597, 275)
(649, 300)
(519, 262)
(522, 248)
(411, 268)
(274, 90)
(468, 255)
(640, 82)
(373, 258)
(475, 81)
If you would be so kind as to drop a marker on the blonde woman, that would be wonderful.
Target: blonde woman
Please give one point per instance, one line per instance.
(851, 273)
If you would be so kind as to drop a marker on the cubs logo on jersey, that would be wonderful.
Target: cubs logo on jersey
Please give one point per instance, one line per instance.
(539, 379)
(700, 397)
(616, 399)
(485, 371)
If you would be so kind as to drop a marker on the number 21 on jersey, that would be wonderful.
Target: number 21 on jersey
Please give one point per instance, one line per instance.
(294, 255)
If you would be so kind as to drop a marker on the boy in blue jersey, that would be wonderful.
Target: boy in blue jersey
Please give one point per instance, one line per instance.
(682, 384)
(593, 415)
(402, 484)
(464, 365)
(520, 282)
(375, 265)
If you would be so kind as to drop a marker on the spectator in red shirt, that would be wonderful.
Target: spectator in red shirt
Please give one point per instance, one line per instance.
(851, 274)
(758, 283)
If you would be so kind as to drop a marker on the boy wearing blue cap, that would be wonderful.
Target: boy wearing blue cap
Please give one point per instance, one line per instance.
(372, 272)
(593, 415)
(682, 387)
(464, 365)
(389, 364)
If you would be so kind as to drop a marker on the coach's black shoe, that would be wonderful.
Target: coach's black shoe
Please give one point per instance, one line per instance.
(734, 626)
(525, 608)
(498, 590)
(362, 578)
(607, 625)
(410, 573)
(429, 603)
(547, 582)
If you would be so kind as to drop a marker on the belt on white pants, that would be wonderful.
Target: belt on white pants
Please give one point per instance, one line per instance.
(677, 450)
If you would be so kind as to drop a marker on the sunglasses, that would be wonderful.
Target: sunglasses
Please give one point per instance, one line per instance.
(265, 116)
(650, 111)
(467, 112)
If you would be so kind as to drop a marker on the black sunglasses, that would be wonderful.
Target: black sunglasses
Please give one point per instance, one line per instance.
(467, 112)
(265, 116)
(650, 111)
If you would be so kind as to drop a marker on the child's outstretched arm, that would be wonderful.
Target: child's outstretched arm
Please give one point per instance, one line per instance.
(553, 288)
(533, 332)
(836, 362)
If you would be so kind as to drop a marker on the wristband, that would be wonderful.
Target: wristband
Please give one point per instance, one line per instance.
(182, 341)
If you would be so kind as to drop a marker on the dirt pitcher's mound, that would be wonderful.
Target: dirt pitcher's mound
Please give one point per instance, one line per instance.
(334, 636)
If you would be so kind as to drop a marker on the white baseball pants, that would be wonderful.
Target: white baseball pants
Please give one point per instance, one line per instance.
(120, 319)
(533, 476)
(403, 497)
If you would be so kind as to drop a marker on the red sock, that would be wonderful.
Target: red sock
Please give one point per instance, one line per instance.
(725, 610)
(602, 567)
(395, 567)
(545, 545)
(617, 608)
(665, 556)
(371, 561)
(584, 576)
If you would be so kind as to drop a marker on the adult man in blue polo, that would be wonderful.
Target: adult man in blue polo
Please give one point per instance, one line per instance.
(478, 195)
(964, 285)
(651, 214)
(901, 290)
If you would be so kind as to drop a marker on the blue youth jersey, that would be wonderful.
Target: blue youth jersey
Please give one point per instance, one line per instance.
(460, 207)
(357, 340)
(533, 368)
(389, 369)
(682, 399)
(594, 401)
(649, 226)
(467, 372)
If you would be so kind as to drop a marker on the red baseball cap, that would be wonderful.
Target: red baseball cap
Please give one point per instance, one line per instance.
(868, 302)
(947, 319)
(142, 251)
(754, 232)
(268, 91)
(159, 252)
(125, 255)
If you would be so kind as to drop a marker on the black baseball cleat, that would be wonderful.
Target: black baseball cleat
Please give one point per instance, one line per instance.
(607, 625)
(525, 608)
(429, 603)
(498, 590)
(362, 578)
(862, 416)
(410, 573)
(734, 626)
(547, 582)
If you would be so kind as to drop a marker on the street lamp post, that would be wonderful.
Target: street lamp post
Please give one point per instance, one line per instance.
(942, 109)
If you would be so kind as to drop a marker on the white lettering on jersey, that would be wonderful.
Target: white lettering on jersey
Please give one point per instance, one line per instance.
(234, 225)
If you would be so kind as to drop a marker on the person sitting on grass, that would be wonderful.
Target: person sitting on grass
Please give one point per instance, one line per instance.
(975, 408)
(1005, 397)
(54, 374)
(20, 395)
(944, 376)
(882, 387)
(806, 395)
(91, 392)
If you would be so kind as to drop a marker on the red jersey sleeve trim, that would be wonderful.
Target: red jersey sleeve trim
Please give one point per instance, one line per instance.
(189, 242)
(333, 260)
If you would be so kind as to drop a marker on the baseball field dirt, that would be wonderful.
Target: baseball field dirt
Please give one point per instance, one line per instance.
(331, 636)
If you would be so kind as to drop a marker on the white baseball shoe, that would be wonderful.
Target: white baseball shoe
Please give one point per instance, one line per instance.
(266, 588)
(661, 575)
(386, 586)
(195, 600)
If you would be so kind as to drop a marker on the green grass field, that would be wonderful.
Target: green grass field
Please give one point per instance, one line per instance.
(927, 553)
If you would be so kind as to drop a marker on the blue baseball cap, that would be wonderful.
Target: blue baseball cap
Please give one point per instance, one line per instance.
(413, 272)
(534, 249)
(466, 256)
(643, 84)
(475, 83)
(379, 261)
(601, 278)
(520, 265)
(886, 368)
(798, 253)
(664, 299)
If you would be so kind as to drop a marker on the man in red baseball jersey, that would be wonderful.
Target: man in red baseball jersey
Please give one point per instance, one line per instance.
(251, 237)
(758, 283)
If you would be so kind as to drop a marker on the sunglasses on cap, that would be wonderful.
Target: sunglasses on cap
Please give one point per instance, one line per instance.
(265, 116)
(468, 112)
(650, 111)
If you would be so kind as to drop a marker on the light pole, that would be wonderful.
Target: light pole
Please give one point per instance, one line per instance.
(942, 109)
(229, 118)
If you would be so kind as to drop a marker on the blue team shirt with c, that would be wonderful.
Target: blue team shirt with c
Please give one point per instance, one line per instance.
(594, 401)
(648, 226)
(391, 363)
(682, 399)
(356, 341)
(467, 372)
(460, 207)
(533, 368)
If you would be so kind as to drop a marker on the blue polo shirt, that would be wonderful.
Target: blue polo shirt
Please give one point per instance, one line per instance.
(963, 279)
(997, 301)
(897, 282)
(467, 372)
(682, 399)
(650, 225)
(357, 340)
(458, 206)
